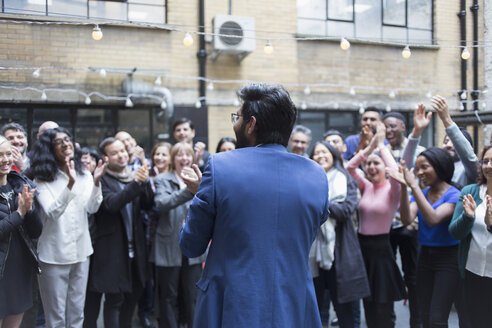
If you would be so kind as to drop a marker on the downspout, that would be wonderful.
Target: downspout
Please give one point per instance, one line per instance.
(462, 17)
(202, 54)
(474, 93)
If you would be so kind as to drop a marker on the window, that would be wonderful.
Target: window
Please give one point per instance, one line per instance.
(146, 11)
(408, 21)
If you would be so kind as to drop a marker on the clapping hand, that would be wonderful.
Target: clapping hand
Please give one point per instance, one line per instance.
(99, 172)
(192, 177)
(488, 212)
(18, 160)
(199, 151)
(69, 169)
(24, 200)
(469, 206)
(142, 174)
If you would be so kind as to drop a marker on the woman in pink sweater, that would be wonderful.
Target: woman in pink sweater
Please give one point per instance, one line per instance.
(377, 208)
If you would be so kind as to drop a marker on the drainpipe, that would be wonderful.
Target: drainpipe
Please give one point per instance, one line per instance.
(462, 17)
(202, 54)
(474, 93)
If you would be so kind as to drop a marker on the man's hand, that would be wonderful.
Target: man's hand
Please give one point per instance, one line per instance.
(192, 177)
(420, 120)
(441, 107)
(18, 160)
(140, 154)
(142, 174)
(199, 150)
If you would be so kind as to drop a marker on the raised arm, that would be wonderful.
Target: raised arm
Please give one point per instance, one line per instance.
(420, 122)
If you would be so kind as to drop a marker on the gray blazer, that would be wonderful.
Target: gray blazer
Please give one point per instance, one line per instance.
(173, 204)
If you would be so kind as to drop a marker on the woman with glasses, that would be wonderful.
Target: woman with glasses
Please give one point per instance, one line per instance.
(472, 225)
(437, 266)
(67, 193)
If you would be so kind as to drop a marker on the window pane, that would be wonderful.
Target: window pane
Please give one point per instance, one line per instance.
(394, 12)
(342, 29)
(93, 125)
(419, 36)
(311, 9)
(107, 10)
(31, 7)
(340, 9)
(17, 115)
(136, 122)
(146, 13)
(74, 8)
(308, 26)
(393, 34)
(316, 122)
(148, 2)
(420, 14)
(368, 19)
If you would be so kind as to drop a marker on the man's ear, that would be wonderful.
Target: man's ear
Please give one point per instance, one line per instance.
(105, 158)
(193, 133)
(251, 125)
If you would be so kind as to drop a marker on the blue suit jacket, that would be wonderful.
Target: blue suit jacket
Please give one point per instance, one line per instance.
(262, 208)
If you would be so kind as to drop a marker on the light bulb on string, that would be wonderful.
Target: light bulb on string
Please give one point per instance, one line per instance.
(36, 73)
(268, 49)
(303, 105)
(236, 103)
(344, 44)
(158, 81)
(128, 102)
(352, 91)
(361, 109)
(163, 104)
(97, 34)
(188, 40)
(198, 104)
(44, 96)
(406, 53)
(210, 86)
(87, 100)
(336, 106)
(102, 72)
(392, 94)
(484, 105)
(388, 108)
(463, 95)
(465, 54)
(462, 107)
(307, 90)
(428, 94)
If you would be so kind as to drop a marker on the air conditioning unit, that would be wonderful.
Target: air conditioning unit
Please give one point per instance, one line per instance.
(241, 41)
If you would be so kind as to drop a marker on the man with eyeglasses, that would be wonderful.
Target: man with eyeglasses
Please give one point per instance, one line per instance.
(299, 140)
(261, 207)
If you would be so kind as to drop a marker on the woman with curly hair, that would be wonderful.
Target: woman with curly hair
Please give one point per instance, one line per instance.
(67, 194)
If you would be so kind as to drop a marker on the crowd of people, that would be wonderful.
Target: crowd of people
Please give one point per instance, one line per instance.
(78, 224)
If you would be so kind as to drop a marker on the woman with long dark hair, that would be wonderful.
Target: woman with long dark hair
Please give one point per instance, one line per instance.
(437, 266)
(19, 222)
(226, 144)
(472, 225)
(335, 258)
(67, 194)
(377, 208)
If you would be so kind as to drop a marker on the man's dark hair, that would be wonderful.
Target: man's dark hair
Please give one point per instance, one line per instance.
(106, 142)
(397, 115)
(372, 109)
(273, 109)
(183, 120)
(12, 126)
(91, 152)
(332, 132)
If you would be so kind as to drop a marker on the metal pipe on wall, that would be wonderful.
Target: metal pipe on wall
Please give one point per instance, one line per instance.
(202, 54)
(462, 17)
(474, 93)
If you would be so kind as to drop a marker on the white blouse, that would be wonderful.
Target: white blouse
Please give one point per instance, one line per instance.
(65, 236)
(479, 259)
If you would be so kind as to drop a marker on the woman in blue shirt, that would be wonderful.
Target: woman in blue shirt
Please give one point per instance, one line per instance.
(437, 268)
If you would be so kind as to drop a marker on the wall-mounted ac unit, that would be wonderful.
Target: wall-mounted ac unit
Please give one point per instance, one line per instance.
(233, 35)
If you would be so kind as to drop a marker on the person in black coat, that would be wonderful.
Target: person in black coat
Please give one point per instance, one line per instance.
(19, 222)
(119, 263)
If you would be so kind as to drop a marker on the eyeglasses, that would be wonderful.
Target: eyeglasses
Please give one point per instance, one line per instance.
(58, 142)
(235, 117)
(486, 162)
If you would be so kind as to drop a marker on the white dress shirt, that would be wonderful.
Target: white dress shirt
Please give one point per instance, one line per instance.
(479, 259)
(65, 237)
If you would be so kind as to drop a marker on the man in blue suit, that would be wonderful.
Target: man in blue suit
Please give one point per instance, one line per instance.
(261, 207)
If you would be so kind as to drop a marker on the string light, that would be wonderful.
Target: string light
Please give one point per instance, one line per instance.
(344, 44)
(388, 108)
(36, 73)
(188, 40)
(43, 96)
(198, 104)
(307, 90)
(361, 109)
(128, 102)
(465, 54)
(462, 107)
(392, 94)
(303, 105)
(210, 86)
(158, 81)
(236, 102)
(336, 106)
(352, 91)
(163, 104)
(428, 94)
(268, 49)
(463, 95)
(97, 34)
(102, 72)
(406, 53)
(87, 100)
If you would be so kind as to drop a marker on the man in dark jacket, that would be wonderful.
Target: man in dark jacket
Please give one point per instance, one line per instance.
(118, 266)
